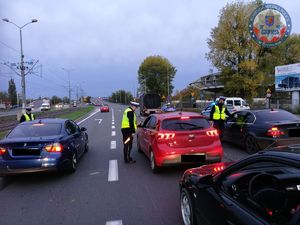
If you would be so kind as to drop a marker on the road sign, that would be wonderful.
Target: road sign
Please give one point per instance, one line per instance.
(269, 91)
(193, 93)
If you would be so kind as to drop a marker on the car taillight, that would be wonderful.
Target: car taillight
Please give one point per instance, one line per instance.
(2, 151)
(55, 147)
(275, 132)
(165, 136)
(212, 132)
(184, 117)
(218, 168)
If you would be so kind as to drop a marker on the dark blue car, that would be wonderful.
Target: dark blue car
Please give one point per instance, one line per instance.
(42, 145)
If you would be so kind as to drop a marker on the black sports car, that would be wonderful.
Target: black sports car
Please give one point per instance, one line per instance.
(260, 129)
(42, 145)
(262, 189)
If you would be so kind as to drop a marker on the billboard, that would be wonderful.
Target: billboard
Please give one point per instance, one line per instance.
(287, 78)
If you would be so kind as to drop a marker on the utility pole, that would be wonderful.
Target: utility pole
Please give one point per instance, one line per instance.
(69, 81)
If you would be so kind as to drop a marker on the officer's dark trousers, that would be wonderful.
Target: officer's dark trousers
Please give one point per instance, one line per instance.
(128, 146)
(219, 125)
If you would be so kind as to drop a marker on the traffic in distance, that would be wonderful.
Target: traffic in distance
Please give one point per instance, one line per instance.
(260, 186)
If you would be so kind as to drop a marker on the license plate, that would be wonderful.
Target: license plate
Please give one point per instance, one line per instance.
(193, 158)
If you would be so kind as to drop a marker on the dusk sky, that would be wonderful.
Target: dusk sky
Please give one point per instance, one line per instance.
(103, 42)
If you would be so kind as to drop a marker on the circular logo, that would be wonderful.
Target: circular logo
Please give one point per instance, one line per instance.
(270, 25)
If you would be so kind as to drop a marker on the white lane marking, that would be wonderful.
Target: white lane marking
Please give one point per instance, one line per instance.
(100, 120)
(88, 117)
(113, 133)
(112, 115)
(114, 222)
(113, 123)
(113, 127)
(113, 171)
(113, 145)
(94, 173)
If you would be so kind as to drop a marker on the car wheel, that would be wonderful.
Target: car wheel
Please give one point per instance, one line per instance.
(138, 145)
(86, 147)
(187, 211)
(153, 165)
(251, 145)
(73, 163)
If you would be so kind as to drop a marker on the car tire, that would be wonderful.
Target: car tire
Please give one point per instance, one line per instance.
(138, 145)
(153, 165)
(187, 211)
(251, 145)
(73, 163)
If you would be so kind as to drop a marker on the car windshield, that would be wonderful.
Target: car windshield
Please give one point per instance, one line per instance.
(35, 130)
(179, 124)
(276, 116)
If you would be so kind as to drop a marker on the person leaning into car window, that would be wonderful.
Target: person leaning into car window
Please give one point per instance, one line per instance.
(129, 126)
(27, 116)
(218, 115)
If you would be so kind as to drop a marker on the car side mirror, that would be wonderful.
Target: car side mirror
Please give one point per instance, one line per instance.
(83, 129)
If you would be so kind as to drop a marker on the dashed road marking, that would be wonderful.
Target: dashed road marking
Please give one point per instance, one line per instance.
(114, 222)
(113, 133)
(113, 123)
(113, 127)
(113, 171)
(113, 145)
(100, 120)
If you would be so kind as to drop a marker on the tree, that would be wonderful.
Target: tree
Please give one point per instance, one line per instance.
(55, 100)
(155, 75)
(121, 96)
(12, 92)
(66, 100)
(3, 96)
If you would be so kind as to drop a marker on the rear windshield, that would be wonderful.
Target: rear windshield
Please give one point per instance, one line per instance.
(275, 116)
(35, 130)
(195, 123)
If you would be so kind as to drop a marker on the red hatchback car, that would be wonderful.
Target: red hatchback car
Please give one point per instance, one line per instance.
(104, 108)
(178, 137)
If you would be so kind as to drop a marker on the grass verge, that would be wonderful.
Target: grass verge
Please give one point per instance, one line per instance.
(77, 114)
(2, 134)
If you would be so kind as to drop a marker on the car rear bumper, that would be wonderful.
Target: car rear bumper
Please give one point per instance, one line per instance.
(13, 167)
(171, 156)
(272, 142)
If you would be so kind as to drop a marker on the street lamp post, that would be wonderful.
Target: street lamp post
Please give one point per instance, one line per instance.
(22, 68)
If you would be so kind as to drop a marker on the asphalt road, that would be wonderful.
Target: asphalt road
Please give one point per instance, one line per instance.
(103, 190)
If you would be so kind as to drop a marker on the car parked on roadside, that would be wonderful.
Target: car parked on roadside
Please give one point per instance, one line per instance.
(104, 108)
(259, 129)
(42, 145)
(262, 189)
(178, 138)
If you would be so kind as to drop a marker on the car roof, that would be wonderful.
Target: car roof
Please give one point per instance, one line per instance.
(261, 110)
(46, 121)
(171, 115)
(288, 151)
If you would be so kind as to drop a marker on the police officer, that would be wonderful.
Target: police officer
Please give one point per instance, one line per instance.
(129, 126)
(27, 116)
(218, 115)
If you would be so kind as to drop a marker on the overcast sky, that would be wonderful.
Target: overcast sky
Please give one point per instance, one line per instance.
(103, 42)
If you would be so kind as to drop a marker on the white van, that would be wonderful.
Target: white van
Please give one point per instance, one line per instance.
(236, 102)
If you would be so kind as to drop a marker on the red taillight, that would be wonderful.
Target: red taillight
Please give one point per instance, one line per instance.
(218, 168)
(212, 132)
(55, 147)
(2, 151)
(275, 132)
(165, 136)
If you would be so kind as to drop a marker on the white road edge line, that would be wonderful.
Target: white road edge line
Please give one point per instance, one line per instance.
(113, 133)
(88, 117)
(114, 222)
(113, 171)
(113, 145)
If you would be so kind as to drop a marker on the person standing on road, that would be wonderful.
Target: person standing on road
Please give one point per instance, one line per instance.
(218, 115)
(129, 126)
(27, 116)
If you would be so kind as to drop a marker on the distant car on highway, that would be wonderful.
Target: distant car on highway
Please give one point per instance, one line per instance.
(42, 145)
(45, 107)
(262, 189)
(178, 138)
(104, 108)
(259, 129)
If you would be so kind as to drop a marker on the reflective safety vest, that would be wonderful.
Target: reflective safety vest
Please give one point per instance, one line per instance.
(125, 120)
(219, 115)
(27, 118)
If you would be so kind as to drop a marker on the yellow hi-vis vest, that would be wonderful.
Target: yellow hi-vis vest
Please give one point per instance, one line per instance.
(219, 115)
(27, 118)
(125, 120)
